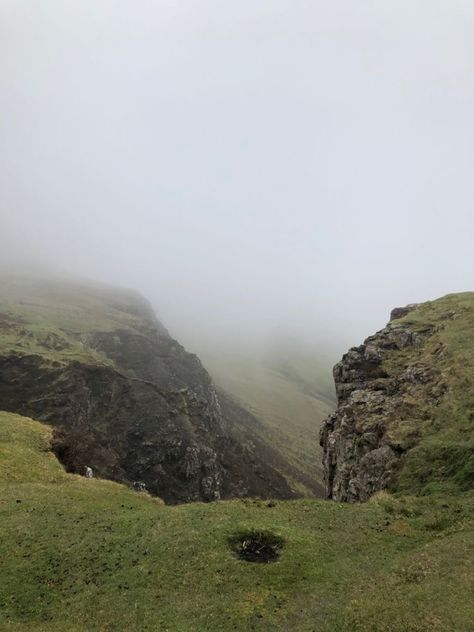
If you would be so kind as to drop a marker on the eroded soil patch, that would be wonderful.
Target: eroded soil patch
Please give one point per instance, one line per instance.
(256, 546)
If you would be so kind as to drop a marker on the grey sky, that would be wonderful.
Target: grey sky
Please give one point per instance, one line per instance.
(250, 165)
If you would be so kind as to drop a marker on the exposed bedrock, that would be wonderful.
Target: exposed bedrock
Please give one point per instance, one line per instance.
(385, 394)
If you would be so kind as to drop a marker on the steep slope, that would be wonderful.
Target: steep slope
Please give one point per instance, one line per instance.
(406, 406)
(288, 388)
(125, 398)
(92, 555)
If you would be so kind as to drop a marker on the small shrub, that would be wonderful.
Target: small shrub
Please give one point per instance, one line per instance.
(256, 546)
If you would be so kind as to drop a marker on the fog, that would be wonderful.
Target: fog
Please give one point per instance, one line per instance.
(256, 168)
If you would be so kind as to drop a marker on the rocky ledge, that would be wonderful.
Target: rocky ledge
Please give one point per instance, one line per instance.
(386, 393)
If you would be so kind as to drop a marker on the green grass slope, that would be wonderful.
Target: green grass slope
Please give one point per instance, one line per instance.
(443, 459)
(49, 317)
(80, 554)
(289, 390)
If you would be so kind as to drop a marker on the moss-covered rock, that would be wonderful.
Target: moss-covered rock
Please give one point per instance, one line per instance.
(405, 416)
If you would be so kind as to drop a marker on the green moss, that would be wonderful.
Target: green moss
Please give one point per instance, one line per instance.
(443, 456)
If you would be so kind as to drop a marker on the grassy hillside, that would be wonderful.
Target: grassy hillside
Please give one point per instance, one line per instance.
(49, 317)
(443, 458)
(92, 555)
(289, 390)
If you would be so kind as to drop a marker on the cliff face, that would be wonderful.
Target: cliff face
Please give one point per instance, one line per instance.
(405, 404)
(125, 398)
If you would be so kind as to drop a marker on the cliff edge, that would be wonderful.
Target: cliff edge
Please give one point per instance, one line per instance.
(405, 415)
(124, 397)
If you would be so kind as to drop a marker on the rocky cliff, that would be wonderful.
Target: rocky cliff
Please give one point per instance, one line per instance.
(405, 405)
(124, 397)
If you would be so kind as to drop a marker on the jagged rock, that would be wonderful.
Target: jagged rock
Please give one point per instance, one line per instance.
(138, 486)
(400, 312)
(364, 441)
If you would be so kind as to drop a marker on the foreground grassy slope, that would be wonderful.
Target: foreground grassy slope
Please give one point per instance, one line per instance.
(92, 555)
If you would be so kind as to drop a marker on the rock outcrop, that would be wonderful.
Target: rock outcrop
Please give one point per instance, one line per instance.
(125, 398)
(386, 394)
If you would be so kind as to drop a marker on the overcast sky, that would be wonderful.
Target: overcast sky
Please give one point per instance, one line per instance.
(250, 165)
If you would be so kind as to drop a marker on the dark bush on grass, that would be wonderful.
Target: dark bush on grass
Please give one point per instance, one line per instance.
(256, 546)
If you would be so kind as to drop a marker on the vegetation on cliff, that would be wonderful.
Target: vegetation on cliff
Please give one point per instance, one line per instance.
(442, 459)
(406, 406)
